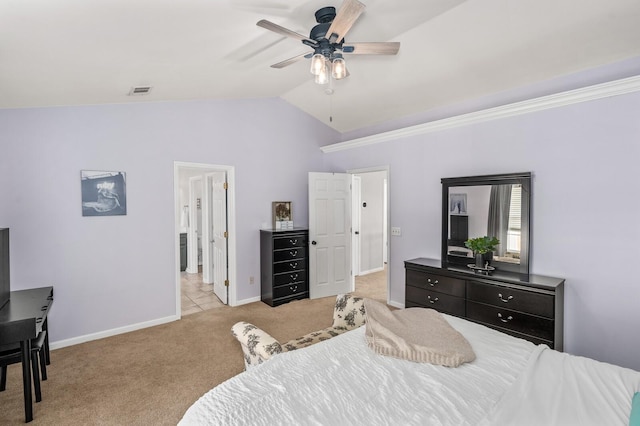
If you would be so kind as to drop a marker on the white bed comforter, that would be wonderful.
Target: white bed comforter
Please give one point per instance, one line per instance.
(342, 381)
(561, 389)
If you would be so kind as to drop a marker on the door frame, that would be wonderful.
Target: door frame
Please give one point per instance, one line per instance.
(192, 234)
(387, 216)
(356, 200)
(231, 225)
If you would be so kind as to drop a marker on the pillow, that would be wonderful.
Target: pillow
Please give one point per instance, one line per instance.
(349, 312)
(415, 334)
(634, 418)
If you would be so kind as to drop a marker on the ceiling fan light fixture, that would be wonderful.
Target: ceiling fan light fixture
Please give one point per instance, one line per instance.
(327, 39)
(317, 64)
(338, 67)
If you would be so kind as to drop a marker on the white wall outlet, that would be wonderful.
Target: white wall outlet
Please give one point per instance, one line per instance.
(396, 231)
(251, 280)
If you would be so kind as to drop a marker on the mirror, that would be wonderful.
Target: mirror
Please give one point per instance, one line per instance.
(493, 205)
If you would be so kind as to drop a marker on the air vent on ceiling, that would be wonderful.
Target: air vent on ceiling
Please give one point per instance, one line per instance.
(139, 90)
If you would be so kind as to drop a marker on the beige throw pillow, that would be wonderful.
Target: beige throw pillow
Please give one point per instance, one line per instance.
(415, 334)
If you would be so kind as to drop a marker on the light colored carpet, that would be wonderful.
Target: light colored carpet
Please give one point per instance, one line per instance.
(151, 376)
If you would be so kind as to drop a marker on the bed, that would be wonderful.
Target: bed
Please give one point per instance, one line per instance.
(342, 381)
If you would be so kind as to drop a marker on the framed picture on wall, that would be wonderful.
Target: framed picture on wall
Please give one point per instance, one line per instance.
(282, 215)
(103, 193)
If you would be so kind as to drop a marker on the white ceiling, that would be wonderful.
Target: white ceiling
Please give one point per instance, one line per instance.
(81, 52)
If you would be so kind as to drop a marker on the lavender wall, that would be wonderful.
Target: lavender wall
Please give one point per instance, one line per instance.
(585, 226)
(111, 272)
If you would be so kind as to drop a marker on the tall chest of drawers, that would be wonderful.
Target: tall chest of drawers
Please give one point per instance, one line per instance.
(284, 265)
(532, 309)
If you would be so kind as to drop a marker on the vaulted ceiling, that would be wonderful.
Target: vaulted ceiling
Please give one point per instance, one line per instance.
(83, 52)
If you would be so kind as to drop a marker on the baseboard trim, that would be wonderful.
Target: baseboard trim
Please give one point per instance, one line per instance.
(396, 304)
(371, 271)
(247, 301)
(112, 332)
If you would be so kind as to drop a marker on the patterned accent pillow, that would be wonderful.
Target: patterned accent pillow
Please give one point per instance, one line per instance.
(349, 312)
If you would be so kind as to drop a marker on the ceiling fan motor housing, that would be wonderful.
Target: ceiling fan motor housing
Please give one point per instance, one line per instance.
(319, 31)
(325, 15)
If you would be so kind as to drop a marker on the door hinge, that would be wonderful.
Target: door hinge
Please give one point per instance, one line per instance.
(226, 185)
(226, 234)
(226, 283)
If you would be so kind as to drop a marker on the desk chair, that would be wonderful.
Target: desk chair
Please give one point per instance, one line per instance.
(12, 355)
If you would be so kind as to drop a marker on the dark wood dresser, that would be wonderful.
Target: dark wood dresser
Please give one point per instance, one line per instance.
(532, 309)
(284, 265)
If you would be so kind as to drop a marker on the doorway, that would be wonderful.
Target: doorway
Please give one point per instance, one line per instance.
(204, 199)
(347, 242)
(371, 232)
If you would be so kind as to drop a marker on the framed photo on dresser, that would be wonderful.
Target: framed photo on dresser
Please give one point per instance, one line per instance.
(282, 215)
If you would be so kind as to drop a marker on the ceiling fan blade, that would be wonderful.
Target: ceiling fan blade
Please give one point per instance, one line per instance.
(346, 16)
(282, 30)
(290, 61)
(372, 48)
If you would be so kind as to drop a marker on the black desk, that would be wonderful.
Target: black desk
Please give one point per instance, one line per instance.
(22, 318)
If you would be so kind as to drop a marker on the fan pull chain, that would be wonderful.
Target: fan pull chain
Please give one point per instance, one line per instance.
(331, 110)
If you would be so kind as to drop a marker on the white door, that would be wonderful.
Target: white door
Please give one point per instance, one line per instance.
(329, 234)
(220, 235)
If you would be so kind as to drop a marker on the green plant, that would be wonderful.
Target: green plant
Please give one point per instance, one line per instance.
(482, 245)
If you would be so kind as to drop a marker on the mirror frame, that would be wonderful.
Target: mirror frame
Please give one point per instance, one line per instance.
(523, 179)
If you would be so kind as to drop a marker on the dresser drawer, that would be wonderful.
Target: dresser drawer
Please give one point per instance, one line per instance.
(514, 299)
(289, 254)
(291, 241)
(289, 290)
(512, 320)
(288, 266)
(289, 278)
(439, 283)
(441, 302)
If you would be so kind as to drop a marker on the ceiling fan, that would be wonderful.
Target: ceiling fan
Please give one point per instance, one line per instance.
(328, 43)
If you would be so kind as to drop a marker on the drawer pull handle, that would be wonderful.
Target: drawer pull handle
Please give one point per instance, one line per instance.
(294, 277)
(293, 288)
(503, 299)
(509, 318)
(434, 300)
(293, 242)
(432, 283)
(293, 253)
(293, 265)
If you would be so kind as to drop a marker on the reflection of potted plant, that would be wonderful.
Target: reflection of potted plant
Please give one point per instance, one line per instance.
(482, 248)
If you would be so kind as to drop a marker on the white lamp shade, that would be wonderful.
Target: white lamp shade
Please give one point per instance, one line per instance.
(317, 64)
(338, 68)
(323, 76)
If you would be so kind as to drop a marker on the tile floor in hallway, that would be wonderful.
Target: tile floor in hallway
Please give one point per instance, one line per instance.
(198, 296)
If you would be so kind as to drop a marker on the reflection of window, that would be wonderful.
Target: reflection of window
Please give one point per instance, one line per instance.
(514, 230)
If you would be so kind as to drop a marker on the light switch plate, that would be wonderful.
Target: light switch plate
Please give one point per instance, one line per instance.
(395, 231)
